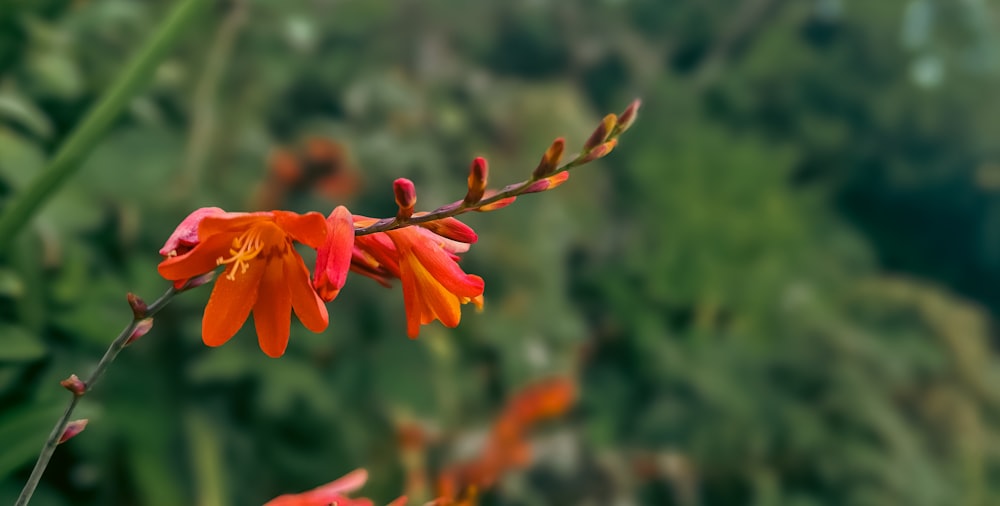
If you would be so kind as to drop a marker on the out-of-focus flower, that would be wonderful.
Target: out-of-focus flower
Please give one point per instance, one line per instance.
(434, 286)
(507, 446)
(263, 272)
(333, 493)
(321, 166)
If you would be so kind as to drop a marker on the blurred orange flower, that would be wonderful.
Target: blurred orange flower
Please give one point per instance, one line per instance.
(264, 273)
(331, 493)
(507, 446)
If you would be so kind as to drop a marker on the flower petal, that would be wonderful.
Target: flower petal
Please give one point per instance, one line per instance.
(230, 304)
(333, 259)
(229, 223)
(272, 313)
(203, 258)
(309, 229)
(308, 306)
(186, 234)
(439, 264)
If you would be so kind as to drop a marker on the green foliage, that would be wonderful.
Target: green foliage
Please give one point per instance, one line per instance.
(777, 290)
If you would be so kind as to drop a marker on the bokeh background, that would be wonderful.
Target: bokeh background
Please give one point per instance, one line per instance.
(780, 289)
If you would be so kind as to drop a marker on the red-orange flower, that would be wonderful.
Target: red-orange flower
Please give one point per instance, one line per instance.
(434, 286)
(331, 493)
(263, 272)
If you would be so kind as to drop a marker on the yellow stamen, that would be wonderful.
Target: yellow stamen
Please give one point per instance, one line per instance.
(245, 248)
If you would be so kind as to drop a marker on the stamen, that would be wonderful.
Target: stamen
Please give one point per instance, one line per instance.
(245, 248)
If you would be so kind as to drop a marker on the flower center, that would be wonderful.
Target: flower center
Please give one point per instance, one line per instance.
(246, 247)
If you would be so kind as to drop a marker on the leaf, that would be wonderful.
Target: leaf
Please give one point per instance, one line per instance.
(19, 109)
(20, 159)
(19, 345)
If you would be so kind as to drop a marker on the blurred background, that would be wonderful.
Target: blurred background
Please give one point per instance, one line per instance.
(779, 290)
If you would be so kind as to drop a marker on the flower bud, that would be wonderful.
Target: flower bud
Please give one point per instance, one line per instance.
(600, 133)
(547, 183)
(600, 151)
(138, 306)
(195, 282)
(141, 328)
(478, 174)
(72, 429)
(74, 384)
(550, 160)
(628, 115)
(406, 198)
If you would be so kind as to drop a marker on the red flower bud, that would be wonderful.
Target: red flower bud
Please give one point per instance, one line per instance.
(74, 384)
(72, 429)
(141, 328)
(138, 306)
(406, 198)
(478, 174)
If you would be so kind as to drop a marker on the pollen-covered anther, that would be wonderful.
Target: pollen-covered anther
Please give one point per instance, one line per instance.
(245, 248)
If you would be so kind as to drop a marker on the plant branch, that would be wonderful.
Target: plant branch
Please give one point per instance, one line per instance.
(109, 356)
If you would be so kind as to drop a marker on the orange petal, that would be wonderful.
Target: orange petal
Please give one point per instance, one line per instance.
(333, 259)
(308, 306)
(203, 258)
(186, 233)
(442, 267)
(272, 314)
(229, 223)
(308, 229)
(428, 292)
(230, 304)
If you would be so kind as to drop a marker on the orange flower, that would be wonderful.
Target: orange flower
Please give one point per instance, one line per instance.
(434, 286)
(331, 493)
(263, 272)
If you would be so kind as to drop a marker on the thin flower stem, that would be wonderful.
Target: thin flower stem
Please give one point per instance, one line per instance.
(109, 356)
(84, 137)
(460, 207)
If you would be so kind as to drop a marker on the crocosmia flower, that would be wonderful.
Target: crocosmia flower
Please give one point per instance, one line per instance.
(426, 261)
(333, 493)
(263, 272)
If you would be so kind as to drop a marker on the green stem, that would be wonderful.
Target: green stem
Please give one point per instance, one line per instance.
(109, 356)
(84, 137)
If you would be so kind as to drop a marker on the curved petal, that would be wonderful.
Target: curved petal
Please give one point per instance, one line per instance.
(333, 259)
(308, 306)
(203, 258)
(272, 313)
(439, 264)
(309, 229)
(229, 223)
(186, 233)
(423, 293)
(230, 304)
